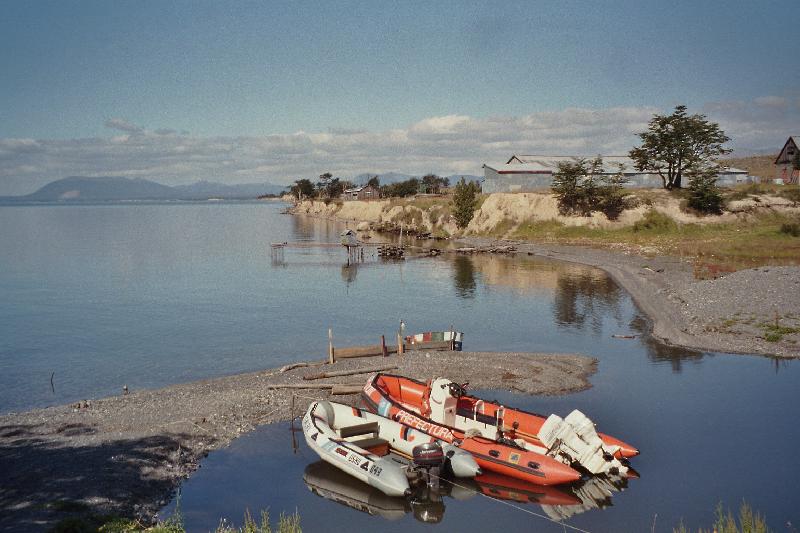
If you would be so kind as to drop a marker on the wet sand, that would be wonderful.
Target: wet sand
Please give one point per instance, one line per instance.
(125, 455)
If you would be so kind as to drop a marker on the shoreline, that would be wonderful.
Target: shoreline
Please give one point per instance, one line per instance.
(727, 314)
(126, 455)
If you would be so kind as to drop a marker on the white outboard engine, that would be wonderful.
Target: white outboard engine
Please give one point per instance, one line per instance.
(430, 458)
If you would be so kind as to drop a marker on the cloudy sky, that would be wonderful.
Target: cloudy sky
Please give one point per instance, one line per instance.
(273, 91)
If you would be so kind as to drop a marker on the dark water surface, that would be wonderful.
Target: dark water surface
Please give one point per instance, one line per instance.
(149, 295)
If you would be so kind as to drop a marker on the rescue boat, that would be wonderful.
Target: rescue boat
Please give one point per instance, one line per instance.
(399, 399)
(571, 440)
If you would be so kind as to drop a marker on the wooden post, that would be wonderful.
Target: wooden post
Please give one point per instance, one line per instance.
(331, 355)
(383, 346)
(452, 338)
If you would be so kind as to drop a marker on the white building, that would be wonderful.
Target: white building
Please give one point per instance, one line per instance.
(522, 173)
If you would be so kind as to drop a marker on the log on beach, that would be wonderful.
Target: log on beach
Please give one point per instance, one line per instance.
(350, 372)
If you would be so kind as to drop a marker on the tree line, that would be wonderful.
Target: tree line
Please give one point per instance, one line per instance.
(329, 187)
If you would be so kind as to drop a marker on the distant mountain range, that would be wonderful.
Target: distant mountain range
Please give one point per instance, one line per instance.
(82, 189)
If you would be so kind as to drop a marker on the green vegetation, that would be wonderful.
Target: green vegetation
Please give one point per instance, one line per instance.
(582, 187)
(791, 228)
(433, 184)
(704, 195)
(749, 522)
(465, 202)
(679, 145)
(400, 189)
(655, 222)
(758, 240)
(91, 523)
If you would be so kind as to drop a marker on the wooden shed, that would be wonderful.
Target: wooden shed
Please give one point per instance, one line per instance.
(788, 161)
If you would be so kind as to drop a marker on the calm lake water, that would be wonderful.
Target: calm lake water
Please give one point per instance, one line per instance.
(152, 294)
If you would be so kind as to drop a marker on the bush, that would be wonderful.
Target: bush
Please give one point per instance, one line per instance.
(791, 228)
(655, 222)
(704, 196)
(790, 193)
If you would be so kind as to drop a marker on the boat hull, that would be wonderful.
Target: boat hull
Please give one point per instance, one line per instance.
(489, 455)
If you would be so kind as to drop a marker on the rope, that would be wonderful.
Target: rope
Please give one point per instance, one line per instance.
(513, 506)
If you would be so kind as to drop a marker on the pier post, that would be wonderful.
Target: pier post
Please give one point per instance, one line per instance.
(331, 356)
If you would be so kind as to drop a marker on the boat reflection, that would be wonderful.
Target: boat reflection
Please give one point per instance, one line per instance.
(427, 504)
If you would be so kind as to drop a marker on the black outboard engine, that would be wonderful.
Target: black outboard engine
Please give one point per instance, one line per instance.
(430, 458)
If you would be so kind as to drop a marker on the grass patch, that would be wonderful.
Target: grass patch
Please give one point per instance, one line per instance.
(91, 523)
(748, 522)
(774, 332)
(502, 229)
(746, 243)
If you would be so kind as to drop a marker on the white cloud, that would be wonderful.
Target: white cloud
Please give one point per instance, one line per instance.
(771, 101)
(123, 125)
(451, 144)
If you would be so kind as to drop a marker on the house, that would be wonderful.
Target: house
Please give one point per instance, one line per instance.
(365, 192)
(788, 161)
(523, 173)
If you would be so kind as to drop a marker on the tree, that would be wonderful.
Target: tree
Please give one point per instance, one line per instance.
(572, 188)
(401, 188)
(704, 195)
(582, 186)
(612, 193)
(302, 188)
(433, 183)
(465, 201)
(324, 180)
(679, 145)
(334, 188)
(374, 181)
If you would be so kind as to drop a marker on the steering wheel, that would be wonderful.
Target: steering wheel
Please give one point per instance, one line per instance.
(456, 390)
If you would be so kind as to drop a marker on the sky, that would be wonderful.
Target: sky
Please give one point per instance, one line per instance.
(241, 92)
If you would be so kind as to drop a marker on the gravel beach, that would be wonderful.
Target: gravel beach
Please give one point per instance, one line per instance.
(125, 455)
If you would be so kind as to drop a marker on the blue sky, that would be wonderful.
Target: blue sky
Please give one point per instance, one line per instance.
(351, 84)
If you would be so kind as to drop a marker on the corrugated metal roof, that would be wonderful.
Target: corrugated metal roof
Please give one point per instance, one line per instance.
(541, 164)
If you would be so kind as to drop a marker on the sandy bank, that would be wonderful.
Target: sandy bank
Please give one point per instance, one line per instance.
(734, 313)
(125, 455)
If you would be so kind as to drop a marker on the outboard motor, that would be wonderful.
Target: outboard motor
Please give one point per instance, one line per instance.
(430, 458)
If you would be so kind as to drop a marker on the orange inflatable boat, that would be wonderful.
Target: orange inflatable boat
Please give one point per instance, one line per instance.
(399, 399)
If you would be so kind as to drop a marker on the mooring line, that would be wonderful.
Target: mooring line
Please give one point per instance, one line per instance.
(509, 504)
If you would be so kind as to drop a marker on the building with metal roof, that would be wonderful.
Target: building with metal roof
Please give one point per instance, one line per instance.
(526, 173)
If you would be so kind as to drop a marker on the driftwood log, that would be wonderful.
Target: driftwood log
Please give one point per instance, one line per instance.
(301, 365)
(349, 372)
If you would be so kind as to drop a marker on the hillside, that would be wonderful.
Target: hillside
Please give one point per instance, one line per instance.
(102, 188)
(762, 166)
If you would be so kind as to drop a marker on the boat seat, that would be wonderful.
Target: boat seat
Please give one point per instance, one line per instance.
(374, 445)
(359, 429)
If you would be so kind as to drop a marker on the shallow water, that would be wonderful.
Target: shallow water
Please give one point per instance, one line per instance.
(151, 294)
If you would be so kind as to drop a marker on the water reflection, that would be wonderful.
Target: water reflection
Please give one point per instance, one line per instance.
(659, 352)
(427, 504)
(584, 297)
(464, 276)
